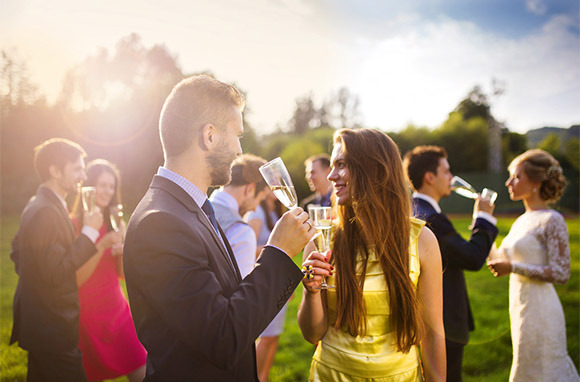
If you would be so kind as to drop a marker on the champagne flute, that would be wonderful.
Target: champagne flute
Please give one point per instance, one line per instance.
(279, 181)
(322, 218)
(486, 193)
(116, 216)
(463, 188)
(89, 198)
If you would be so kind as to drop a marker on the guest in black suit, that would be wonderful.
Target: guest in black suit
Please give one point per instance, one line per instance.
(47, 255)
(428, 171)
(193, 313)
(317, 168)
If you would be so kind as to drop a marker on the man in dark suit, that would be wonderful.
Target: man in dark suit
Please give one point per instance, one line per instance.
(46, 255)
(317, 168)
(428, 171)
(193, 313)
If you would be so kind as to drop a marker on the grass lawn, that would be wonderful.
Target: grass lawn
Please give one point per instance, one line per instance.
(487, 357)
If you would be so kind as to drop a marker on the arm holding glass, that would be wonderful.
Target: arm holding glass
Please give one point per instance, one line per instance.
(312, 313)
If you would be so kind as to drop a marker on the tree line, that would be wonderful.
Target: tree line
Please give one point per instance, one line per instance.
(110, 104)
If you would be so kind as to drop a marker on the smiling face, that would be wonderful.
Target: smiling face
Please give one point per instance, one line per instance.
(106, 186)
(340, 176)
(519, 184)
(69, 178)
(316, 176)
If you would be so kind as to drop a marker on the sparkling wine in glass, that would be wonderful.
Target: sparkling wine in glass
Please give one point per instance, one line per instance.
(463, 188)
(89, 198)
(116, 216)
(279, 181)
(322, 219)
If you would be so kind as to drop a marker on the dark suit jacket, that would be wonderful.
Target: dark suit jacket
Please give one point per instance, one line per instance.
(195, 316)
(46, 255)
(457, 255)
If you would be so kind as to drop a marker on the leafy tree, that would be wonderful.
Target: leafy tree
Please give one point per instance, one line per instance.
(340, 110)
(465, 142)
(304, 116)
(513, 144)
(474, 105)
(572, 152)
(551, 144)
(412, 136)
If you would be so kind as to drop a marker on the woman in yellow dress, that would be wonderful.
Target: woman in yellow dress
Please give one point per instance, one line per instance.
(383, 321)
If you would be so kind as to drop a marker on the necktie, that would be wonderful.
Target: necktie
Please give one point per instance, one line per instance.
(209, 211)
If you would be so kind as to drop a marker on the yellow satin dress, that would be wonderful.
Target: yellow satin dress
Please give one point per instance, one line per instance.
(340, 356)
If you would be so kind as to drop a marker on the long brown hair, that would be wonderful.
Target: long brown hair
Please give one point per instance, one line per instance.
(377, 218)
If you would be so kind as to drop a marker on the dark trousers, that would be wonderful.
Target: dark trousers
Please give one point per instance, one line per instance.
(65, 367)
(454, 351)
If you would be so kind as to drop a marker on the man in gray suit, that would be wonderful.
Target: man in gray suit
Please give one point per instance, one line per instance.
(193, 313)
(46, 254)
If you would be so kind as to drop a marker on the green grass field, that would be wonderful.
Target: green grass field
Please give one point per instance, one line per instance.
(487, 357)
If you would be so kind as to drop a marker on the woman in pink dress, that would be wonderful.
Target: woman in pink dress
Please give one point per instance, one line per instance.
(108, 339)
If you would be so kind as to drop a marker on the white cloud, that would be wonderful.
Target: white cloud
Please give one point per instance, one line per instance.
(537, 7)
(421, 74)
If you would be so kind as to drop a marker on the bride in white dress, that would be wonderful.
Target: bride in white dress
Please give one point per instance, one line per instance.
(535, 254)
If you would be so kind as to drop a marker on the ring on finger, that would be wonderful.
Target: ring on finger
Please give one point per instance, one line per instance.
(309, 224)
(308, 271)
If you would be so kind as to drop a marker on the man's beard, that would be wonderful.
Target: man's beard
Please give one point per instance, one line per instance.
(220, 164)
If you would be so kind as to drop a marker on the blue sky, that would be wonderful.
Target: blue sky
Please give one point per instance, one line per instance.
(408, 61)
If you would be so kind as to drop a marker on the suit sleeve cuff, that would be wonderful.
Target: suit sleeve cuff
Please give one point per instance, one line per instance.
(91, 233)
(484, 215)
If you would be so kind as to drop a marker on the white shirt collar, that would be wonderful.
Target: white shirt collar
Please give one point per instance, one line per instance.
(428, 199)
(192, 190)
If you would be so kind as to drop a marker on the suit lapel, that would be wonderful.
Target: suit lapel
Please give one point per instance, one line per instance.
(188, 202)
(50, 196)
(231, 254)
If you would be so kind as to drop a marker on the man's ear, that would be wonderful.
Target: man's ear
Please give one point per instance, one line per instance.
(208, 136)
(54, 171)
(429, 177)
(250, 189)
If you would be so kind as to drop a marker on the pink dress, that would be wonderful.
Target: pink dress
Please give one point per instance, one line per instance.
(107, 335)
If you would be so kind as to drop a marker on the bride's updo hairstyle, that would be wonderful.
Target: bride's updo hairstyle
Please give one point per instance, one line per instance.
(542, 167)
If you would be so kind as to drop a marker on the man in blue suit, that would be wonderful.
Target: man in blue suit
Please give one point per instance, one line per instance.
(428, 171)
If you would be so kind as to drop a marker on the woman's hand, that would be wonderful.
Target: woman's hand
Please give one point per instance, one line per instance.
(500, 267)
(110, 239)
(315, 268)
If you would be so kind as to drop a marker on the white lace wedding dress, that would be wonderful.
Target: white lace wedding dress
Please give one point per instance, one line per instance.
(537, 246)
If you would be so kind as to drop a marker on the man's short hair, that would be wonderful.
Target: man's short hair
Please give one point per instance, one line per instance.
(246, 170)
(193, 103)
(324, 160)
(55, 152)
(420, 160)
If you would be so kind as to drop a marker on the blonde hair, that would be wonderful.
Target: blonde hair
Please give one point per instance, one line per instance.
(193, 103)
(540, 166)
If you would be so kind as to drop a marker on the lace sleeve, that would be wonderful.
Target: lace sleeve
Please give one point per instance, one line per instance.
(555, 238)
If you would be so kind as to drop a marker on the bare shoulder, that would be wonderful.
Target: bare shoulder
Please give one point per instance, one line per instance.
(428, 246)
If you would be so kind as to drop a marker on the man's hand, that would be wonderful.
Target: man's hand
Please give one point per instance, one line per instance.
(484, 205)
(292, 232)
(93, 219)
